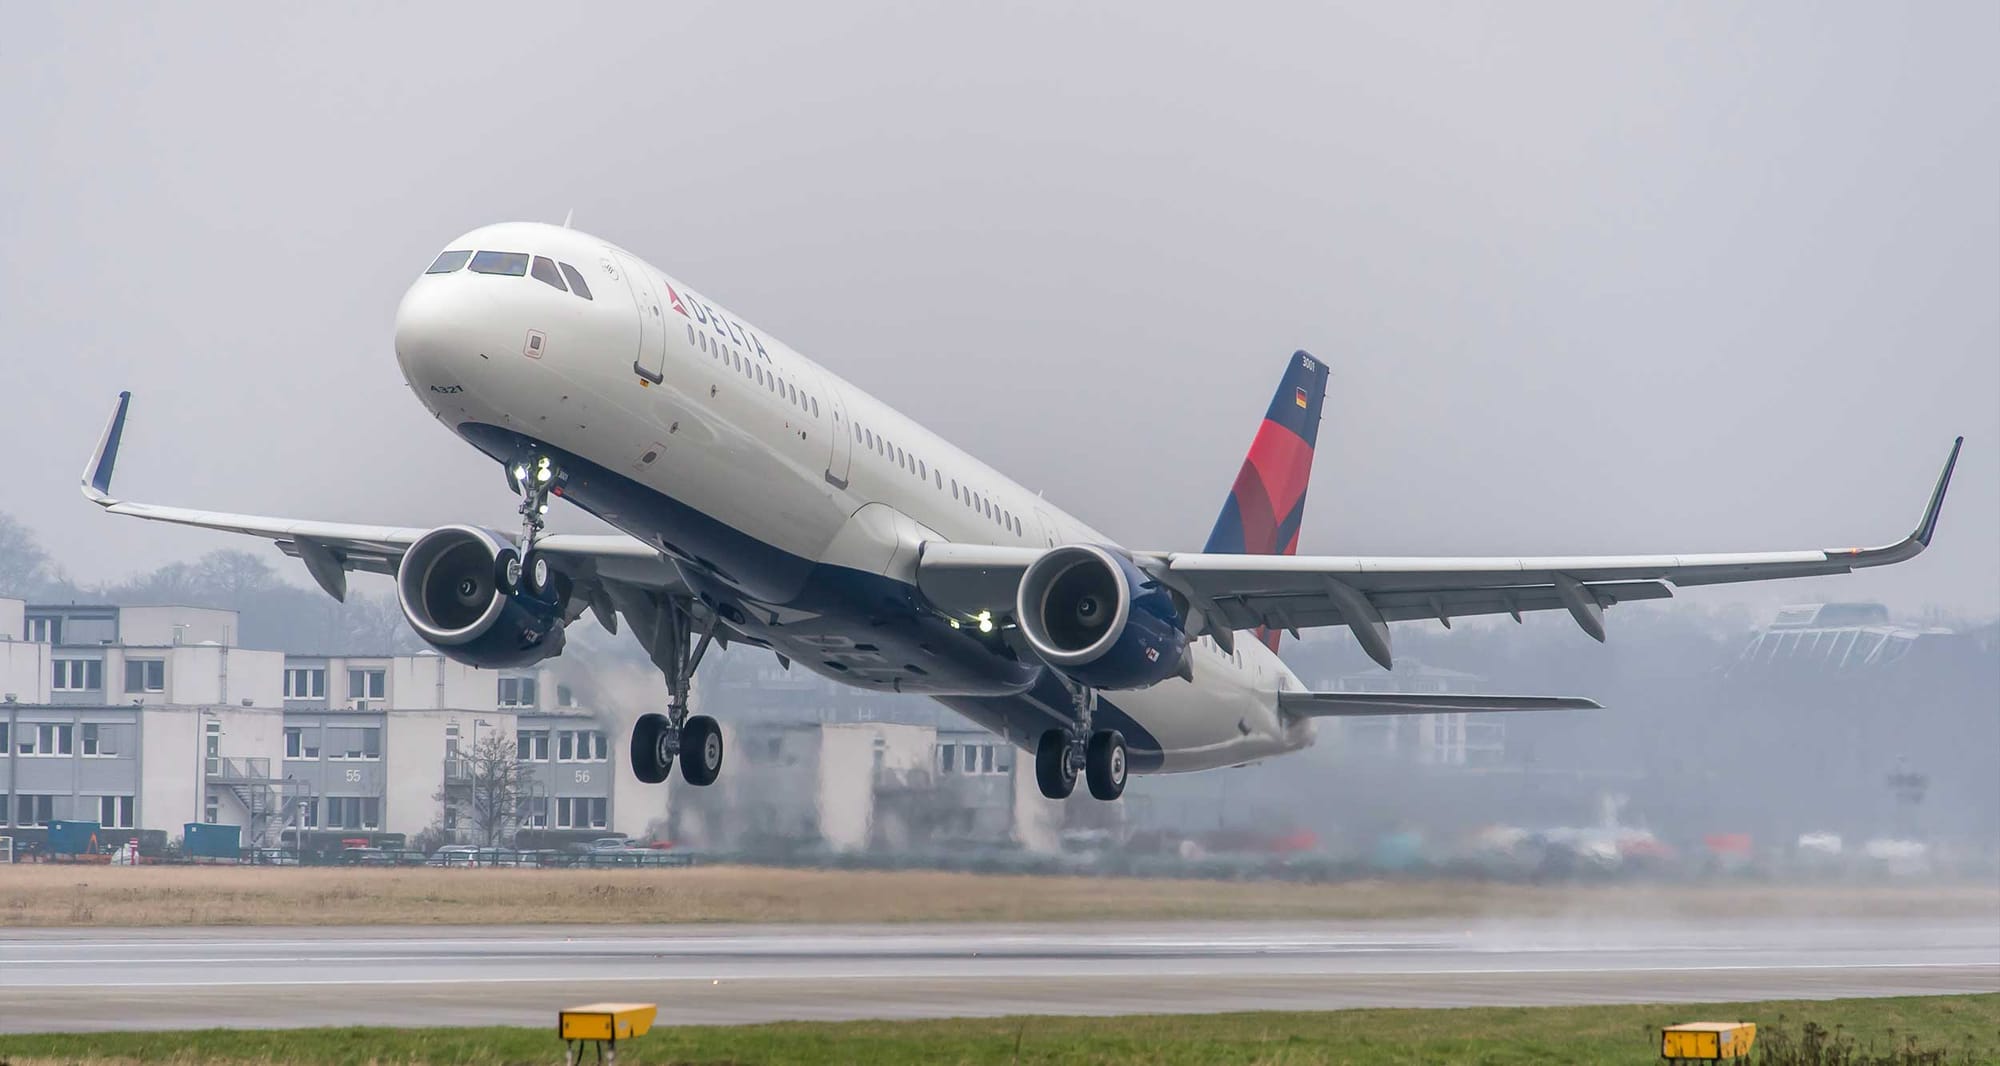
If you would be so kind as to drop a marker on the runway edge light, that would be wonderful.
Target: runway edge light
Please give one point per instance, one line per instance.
(1707, 1041)
(602, 1025)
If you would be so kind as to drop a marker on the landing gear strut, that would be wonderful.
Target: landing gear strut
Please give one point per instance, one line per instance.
(1099, 754)
(658, 738)
(532, 478)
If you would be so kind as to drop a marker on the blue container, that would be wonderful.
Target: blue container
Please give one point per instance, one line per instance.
(204, 841)
(74, 838)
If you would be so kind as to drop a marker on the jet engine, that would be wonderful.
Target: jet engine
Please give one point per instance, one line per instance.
(1100, 620)
(461, 590)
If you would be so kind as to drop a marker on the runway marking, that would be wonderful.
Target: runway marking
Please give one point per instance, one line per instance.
(866, 976)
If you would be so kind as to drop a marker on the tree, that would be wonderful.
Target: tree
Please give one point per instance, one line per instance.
(487, 789)
(26, 570)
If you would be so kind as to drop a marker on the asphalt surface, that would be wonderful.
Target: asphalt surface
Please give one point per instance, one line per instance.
(61, 980)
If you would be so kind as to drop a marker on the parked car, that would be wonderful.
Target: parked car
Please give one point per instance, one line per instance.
(454, 855)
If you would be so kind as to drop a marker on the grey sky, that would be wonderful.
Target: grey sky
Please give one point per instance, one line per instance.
(1592, 278)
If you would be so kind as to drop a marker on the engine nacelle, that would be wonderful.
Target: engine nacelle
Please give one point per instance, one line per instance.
(1100, 620)
(452, 588)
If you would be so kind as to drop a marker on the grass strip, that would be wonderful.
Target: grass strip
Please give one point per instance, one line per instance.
(1965, 1029)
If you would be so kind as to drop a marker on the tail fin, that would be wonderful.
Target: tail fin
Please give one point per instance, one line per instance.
(1268, 502)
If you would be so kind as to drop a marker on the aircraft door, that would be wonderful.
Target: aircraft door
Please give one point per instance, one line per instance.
(842, 428)
(651, 361)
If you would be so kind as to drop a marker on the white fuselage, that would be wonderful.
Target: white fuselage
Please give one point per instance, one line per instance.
(743, 460)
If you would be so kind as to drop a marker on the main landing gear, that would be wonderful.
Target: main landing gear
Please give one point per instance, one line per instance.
(658, 738)
(1098, 753)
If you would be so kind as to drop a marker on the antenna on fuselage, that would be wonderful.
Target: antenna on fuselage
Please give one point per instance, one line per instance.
(571, 213)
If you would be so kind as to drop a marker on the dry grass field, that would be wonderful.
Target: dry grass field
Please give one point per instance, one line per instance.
(53, 896)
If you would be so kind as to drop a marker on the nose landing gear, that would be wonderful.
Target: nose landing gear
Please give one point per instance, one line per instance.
(1098, 754)
(532, 478)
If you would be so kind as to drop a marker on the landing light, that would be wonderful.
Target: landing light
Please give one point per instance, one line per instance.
(542, 474)
(520, 473)
(985, 619)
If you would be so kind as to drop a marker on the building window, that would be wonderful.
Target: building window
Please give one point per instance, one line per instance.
(947, 755)
(517, 692)
(367, 684)
(145, 675)
(45, 738)
(355, 742)
(580, 812)
(582, 745)
(45, 631)
(565, 697)
(532, 745)
(309, 813)
(305, 683)
(98, 740)
(77, 675)
(353, 812)
(32, 811)
(535, 812)
(114, 812)
(301, 742)
(3, 747)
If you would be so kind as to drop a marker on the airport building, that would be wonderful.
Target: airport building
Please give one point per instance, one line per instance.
(148, 718)
(153, 717)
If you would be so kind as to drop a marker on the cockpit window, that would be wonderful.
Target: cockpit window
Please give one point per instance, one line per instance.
(544, 271)
(448, 262)
(576, 284)
(512, 263)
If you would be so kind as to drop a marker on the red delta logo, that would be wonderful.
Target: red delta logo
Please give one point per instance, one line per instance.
(676, 299)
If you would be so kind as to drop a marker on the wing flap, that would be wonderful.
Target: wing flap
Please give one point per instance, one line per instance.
(1371, 704)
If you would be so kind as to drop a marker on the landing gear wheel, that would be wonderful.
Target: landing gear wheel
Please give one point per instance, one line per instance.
(1104, 764)
(1054, 771)
(652, 755)
(507, 570)
(701, 750)
(536, 576)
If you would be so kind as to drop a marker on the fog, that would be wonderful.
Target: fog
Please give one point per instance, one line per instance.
(1590, 279)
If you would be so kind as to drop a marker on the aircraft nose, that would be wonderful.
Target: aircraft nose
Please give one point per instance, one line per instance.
(433, 325)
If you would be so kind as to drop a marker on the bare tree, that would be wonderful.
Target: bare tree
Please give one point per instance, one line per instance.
(487, 789)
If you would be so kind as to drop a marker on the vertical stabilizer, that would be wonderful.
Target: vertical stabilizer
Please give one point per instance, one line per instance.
(1267, 503)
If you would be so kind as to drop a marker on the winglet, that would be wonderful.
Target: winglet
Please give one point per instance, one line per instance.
(1929, 524)
(1919, 539)
(97, 476)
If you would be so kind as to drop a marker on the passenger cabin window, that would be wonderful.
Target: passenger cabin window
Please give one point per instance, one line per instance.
(544, 270)
(448, 262)
(514, 264)
(575, 277)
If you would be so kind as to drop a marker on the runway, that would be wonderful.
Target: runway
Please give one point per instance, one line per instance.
(68, 980)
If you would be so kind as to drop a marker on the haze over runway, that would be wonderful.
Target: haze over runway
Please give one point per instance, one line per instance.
(1590, 279)
(72, 980)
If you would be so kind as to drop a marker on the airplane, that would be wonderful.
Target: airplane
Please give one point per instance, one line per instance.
(763, 500)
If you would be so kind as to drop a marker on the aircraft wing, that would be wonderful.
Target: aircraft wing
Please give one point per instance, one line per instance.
(1226, 593)
(331, 549)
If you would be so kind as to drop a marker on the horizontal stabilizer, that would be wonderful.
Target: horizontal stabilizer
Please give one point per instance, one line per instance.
(1364, 704)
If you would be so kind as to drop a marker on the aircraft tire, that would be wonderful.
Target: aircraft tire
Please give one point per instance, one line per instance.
(1053, 771)
(652, 760)
(1104, 764)
(701, 750)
